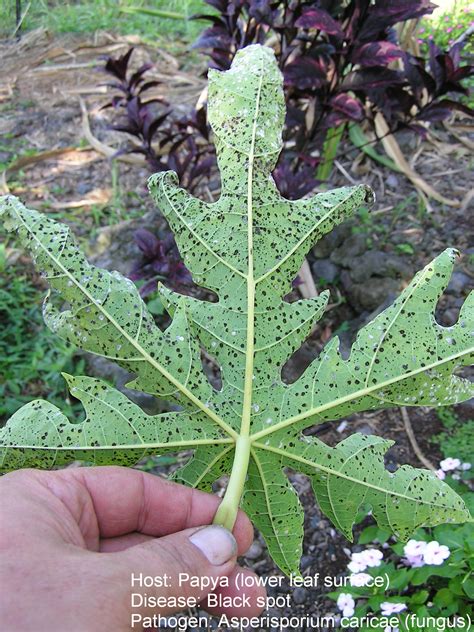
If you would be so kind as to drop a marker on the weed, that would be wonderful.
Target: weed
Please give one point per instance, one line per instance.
(457, 440)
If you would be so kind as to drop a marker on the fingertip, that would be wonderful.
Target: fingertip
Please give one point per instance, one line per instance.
(243, 532)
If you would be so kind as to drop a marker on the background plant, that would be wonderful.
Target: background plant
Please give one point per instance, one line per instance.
(32, 356)
(166, 142)
(343, 63)
(435, 581)
(457, 438)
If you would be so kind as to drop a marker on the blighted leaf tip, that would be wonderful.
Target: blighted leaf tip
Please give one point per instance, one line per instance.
(369, 194)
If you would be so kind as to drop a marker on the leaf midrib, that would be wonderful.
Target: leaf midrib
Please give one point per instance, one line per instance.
(250, 338)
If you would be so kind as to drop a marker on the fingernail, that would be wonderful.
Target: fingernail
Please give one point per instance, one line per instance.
(216, 543)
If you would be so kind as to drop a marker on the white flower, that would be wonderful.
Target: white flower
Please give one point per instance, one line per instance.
(435, 553)
(356, 567)
(372, 557)
(360, 579)
(390, 629)
(357, 563)
(440, 474)
(449, 464)
(364, 559)
(414, 548)
(388, 608)
(346, 604)
(466, 466)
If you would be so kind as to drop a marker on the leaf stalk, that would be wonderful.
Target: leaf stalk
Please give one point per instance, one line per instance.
(229, 507)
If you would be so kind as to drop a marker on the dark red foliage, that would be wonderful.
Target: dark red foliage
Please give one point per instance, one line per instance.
(291, 185)
(160, 261)
(342, 63)
(337, 58)
(155, 127)
(185, 149)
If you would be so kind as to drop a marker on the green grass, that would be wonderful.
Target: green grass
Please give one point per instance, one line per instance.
(31, 357)
(92, 15)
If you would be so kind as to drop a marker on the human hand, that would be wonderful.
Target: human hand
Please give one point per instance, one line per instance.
(70, 541)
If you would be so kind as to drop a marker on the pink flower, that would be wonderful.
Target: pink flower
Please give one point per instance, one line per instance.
(435, 553)
(346, 604)
(360, 579)
(415, 561)
(449, 29)
(449, 464)
(414, 550)
(440, 474)
(388, 608)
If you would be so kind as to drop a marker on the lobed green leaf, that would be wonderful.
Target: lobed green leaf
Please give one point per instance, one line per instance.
(247, 248)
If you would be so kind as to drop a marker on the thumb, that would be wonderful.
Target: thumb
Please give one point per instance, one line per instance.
(177, 571)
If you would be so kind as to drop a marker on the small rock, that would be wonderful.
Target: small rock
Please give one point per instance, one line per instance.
(392, 181)
(306, 561)
(459, 283)
(342, 426)
(300, 595)
(255, 551)
(325, 269)
(368, 295)
(407, 140)
(449, 317)
(352, 247)
(381, 264)
(314, 521)
(329, 242)
(83, 188)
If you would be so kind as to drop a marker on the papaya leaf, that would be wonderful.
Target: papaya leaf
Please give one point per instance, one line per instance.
(247, 247)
